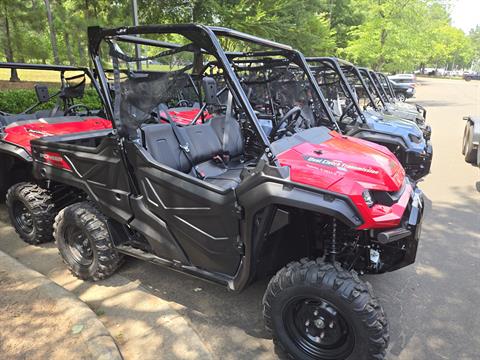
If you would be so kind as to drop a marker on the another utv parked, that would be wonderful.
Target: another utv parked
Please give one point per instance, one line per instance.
(402, 137)
(381, 102)
(218, 199)
(389, 102)
(31, 207)
(391, 93)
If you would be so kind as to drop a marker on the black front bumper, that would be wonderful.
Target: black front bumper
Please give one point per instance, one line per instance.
(417, 165)
(398, 247)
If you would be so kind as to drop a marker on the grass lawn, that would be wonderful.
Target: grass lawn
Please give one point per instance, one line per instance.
(30, 77)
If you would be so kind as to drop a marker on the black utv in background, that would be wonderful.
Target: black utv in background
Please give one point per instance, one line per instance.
(233, 198)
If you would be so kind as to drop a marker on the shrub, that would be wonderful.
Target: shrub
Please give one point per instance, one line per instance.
(18, 100)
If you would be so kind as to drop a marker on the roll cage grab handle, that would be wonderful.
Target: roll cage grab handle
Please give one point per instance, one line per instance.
(207, 40)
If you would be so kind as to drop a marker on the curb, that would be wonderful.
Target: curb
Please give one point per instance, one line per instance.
(98, 341)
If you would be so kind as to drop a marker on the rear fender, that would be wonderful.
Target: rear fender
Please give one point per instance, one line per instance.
(15, 165)
(18, 152)
(96, 169)
(475, 122)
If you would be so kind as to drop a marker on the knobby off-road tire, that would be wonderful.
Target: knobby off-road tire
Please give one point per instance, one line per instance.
(317, 291)
(468, 150)
(84, 242)
(32, 211)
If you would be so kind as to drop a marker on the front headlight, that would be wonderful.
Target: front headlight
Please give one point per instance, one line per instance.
(367, 196)
(416, 139)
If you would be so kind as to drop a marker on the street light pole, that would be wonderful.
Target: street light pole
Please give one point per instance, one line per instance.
(135, 23)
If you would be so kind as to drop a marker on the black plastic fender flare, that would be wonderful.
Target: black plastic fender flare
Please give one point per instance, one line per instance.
(269, 192)
(15, 151)
(377, 136)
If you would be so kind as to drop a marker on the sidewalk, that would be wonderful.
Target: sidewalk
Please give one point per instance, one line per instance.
(143, 326)
(40, 320)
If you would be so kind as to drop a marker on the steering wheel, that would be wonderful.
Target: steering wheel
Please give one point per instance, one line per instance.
(71, 110)
(290, 118)
(346, 111)
(184, 103)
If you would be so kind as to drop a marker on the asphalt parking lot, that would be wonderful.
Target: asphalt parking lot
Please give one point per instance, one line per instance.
(432, 306)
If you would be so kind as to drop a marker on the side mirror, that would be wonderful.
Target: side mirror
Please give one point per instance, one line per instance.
(42, 93)
(209, 86)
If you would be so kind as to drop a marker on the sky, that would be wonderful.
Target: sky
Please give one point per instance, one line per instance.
(465, 14)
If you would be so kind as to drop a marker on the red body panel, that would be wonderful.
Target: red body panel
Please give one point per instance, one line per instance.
(21, 135)
(348, 166)
(185, 117)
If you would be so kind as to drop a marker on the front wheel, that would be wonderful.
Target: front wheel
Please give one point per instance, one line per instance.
(401, 97)
(31, 210)
(317, 310)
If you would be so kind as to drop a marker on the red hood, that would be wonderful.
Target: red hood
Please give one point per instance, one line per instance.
(344, 161)
(349, 166)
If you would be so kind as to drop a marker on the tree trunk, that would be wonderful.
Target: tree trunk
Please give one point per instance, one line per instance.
(53, 35)
(71, 60)
(81, 53)
(8, 46)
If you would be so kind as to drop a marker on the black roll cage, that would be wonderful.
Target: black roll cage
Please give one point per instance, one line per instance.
(343, 64)
(367, 72)
(206, 37)
(376, 78)
(388, 83)
(334, 64)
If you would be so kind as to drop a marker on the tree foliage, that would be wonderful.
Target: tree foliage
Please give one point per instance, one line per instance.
(392, 35)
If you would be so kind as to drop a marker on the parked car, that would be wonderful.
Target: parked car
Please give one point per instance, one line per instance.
(404, 78)
(403, 90)
(224, 200)
(471, 76)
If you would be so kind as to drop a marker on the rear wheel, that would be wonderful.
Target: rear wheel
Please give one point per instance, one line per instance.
(31, 210)
(317, 310)
(469, 151)
(84, 242)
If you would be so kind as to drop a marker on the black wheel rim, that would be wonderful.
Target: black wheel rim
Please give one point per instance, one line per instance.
(78, 246)
(318, 329)
(23, 218)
